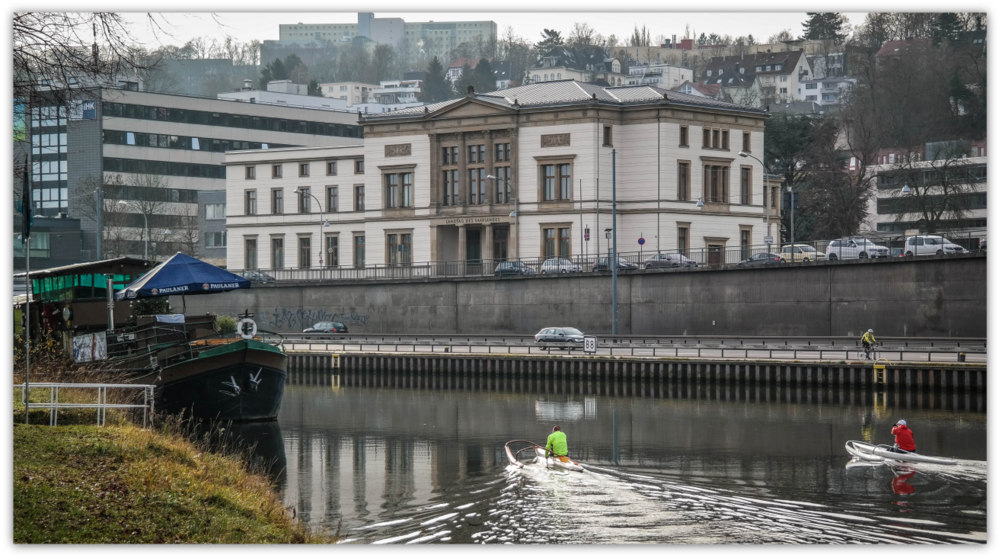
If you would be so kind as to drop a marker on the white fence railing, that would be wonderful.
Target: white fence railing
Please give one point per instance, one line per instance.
(89, 396)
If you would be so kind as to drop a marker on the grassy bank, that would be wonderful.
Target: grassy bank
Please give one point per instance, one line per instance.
(124, 484)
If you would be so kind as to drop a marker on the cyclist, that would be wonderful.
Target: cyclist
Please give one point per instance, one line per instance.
(868, 340)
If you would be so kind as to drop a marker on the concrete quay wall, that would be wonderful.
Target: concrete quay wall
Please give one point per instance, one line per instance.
(926, 297)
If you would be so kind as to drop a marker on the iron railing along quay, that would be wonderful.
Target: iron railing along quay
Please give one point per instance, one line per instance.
(767, 348)
(99, 400)
(706, 258)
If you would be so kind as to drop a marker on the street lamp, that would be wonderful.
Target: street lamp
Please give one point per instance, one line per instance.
(515, 214)
(145, 229)
(322, 223)
(767, 198)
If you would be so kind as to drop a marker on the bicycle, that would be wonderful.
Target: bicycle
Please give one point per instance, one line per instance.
(868, 353)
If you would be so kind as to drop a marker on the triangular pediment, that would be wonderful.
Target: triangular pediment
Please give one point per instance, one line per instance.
(471, 108)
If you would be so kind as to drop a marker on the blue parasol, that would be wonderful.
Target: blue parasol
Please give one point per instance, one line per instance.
(182, 275)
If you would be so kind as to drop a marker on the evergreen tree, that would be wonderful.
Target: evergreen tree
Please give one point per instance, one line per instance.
(825, 26)
(551, 41)
(483, 78)
(436, 86)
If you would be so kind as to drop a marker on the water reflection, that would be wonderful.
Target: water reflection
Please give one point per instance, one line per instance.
(387, 465)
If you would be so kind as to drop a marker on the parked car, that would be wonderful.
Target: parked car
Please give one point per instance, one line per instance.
(761, 259)
(258, 277)
(982, 245)
(931, 245)
(854, 248)
(562, 337)
(512, 268)
(661, 260)
(326, 327)
(896, 253)
(623, 265)
(800, 253)
(560, 265)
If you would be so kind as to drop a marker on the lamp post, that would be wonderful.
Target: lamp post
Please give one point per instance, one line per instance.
(319, 248)
(508, 198)
(145, 227)
(613, 259)
(767, 199)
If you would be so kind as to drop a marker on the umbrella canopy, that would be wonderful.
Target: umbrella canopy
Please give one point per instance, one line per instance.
(182, 275)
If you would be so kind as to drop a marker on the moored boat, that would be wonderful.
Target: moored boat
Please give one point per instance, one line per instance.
(198, 372)
(236, 377)
(883, 453)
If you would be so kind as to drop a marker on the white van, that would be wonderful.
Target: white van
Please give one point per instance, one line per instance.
(931, 245)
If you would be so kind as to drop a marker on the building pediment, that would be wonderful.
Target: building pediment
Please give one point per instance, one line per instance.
(471, 108)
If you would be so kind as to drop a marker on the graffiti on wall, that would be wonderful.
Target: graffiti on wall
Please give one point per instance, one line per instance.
(297, 319)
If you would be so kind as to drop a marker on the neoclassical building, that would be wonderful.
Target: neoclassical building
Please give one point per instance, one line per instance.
(523, 173)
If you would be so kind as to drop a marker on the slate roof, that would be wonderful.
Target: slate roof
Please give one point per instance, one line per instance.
(569, 92)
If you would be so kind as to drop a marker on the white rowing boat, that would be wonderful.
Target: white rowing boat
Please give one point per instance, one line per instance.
(882, 453)
(523, 452)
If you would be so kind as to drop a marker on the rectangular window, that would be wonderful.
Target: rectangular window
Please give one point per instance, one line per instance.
(682, 239)
(251, 173)
(215, 211)
(303, 169)
(331, 168)
(359, 198)
(359, 166)
(683, 180)
(275, 171)
(305, 200)
(215, 239)
(332, 251)
(449, 155)
(249, 253)
(250, 202)
(607, 136)
(744, 243)
(305, 252)
(684, 136)
(451, 187)
(746, 142)
(477, 186)
(504, 191)
(725, 140)
(557, 182)
(716, 183)
(706, 138)
(746, 185)
(477, 154)
(391, 190)
(407, 184)
(359, 251)
(557, 242)
(277, 201)
(332, 199)
(397, 249)
(277, 253)
(502, 152)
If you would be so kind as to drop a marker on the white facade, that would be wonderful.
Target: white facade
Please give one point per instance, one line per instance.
(664, 76)
(629, 143)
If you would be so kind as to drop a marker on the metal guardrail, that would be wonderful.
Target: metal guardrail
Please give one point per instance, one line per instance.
(909, 350)
(101, 403)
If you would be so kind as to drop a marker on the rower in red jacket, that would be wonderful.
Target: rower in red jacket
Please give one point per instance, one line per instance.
(904, 437)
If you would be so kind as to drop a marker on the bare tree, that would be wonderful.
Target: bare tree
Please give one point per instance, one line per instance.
(52, 50)
(938, 191)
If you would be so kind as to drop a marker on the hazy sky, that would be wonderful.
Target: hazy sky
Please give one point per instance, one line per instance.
(186, 20)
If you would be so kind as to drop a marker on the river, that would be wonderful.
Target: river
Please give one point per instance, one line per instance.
(394, 466)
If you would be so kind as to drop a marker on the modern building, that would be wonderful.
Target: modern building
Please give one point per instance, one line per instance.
(426, 39)
(131, 168)
(664, 76)
(944, 195)
(526, 173)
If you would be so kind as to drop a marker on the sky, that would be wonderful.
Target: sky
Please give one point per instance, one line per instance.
(214, 20)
